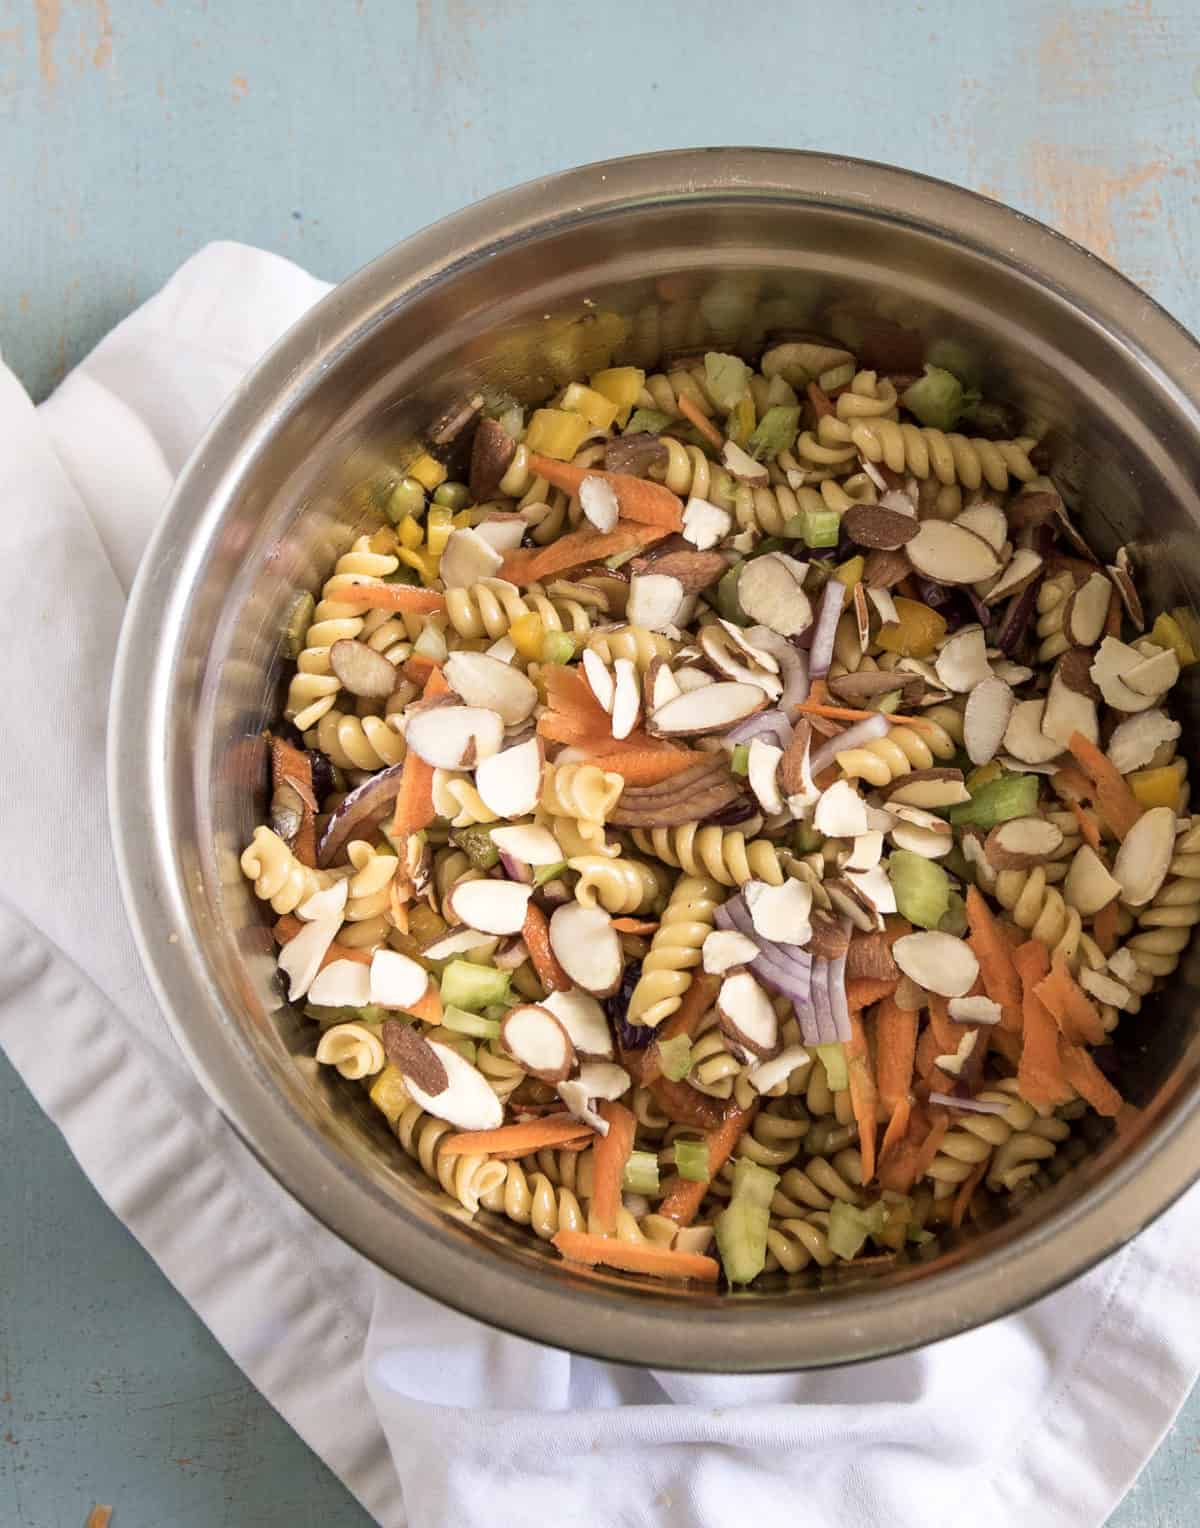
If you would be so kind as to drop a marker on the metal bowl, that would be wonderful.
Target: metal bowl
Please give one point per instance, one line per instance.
(703, 247)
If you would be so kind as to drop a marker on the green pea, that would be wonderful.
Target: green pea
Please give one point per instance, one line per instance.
(453, 496)
(407, 498)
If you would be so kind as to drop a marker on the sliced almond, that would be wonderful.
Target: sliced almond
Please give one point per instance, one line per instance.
(687, 679)
(952, 1065)
(1022, 842)
(587, 947)
(830, 938)
(1123, 965)
(535, 1039)
(1067, 712)
(704, 524)
(1145, 856)
(962, 662)
(748, 1015)
(873, 890)
(413, 1055)
(928, 788)
(503, 532)
(1024, 566)
(927, 842)
(1033, 506)
(771, 591)
(763, 772)
(300, 958)
(780, 913)
(986, 717)
(584, 1021)
(655, 600)
(794, 773)
(1134, 743)
(884, 570)
(1104, 987)
(361, 670)
(455, 737)
(395, 980)
(491, 906)
(457, 943)
(598, 500)
(467, 1101)
(862, 616)
(326, 903)
(1153, 676)
(919, 818)
(988, 521)
(731, 659)
(575, 1095)
(726, 948)
(1122, 576)
(1114, 660)
(696, 571)
(341, 984)
(467, 558)
(755, 645)
(742, 466)
(769, 1074)
(840, 812)
(950, 554)
(497, 686)
(1074, 667)
(879, 528)
(604, 1079)
(1012, 673)
(1087, 611)
(504, 649)
(938, 962)
(599, 677)
(627, 698)
(974, 1010)
(510, 782)
(866, 852)
(885, 605)
(1024, 738)
(1088, 886)
(715, 708)
(659, 685)
(864, 688)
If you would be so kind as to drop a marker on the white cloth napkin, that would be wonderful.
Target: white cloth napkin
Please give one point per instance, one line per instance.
(429, 1418)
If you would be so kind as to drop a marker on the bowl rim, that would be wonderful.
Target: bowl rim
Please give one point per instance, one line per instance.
(580, 1313)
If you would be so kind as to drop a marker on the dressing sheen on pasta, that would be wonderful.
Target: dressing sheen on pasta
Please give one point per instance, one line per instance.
(722, 835)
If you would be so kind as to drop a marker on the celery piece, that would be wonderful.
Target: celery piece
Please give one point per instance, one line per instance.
(997, 801)
(299, 617)
(641, 1173)
(806, 839)
(463, 1023)
(739, 762)
(815, 527)
(954, 920)
(774, 432)
(557, 647)
(370, 1013)
(741, 1231)
(476, 843)
(691, 1161)
(676, 1057)
(727, 603)
(472, 987)
(937, 399)
(619, 559)
(753, 1184)
(922, 888)
(406, 500)
(403, 575)
(886, 704)
(849, 1227)
(544, 873)
(837, 1073)
(651, 421)
(728, 378)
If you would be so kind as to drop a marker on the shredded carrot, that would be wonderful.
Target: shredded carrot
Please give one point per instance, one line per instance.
(428, 1006)
(1065, 998)
(1105, 926)
(575, 716)
(706, 427)
(1088, 825)
(683, 1196)
(864, 1095)
(902, 1144)
(1089, 1081)
(1118, 805)
(557, 1130)
(635, 925)
(286, 928)
(529, 565)
(536, 934)
(651, 766)
(848, 714)
(1040, 1079)
(636, 1257)
(819, 399)
(405, 597)
(996, 969)
(99, 1517)
(931, 1145)
(966, 1193)
(942, 1026)
(638, 499)
(417, 669)
(895, 1052)
(862, 991)
(684, 1105)
(897, 1126)
(1069, 782)
(697, 1000)
(609, 1157)
(293, 766)
(928, 1050)
(414, 808)
(818, 693)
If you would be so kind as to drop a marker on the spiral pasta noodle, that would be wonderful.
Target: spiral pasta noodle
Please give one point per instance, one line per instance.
(533, 1201)
(793, 1242)
(637, 644)
(722, 853)
(674, 950)
(950, 458)
(354, 1049)
(903, 750)
(278, 876)
(975, 1137)
(582, 792)
(1052, 600)
(690, 474)
(456, 799)
(620, 886)
(1165, 926)
(468, 1179)
(1038, 908)
(356, 742)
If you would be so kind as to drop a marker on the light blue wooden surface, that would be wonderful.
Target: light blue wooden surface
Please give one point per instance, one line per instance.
(132, 131)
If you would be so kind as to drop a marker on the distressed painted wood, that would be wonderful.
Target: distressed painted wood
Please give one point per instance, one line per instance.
(131, 131)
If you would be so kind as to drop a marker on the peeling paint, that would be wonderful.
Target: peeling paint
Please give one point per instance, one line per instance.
(49, 14)
(103, 50)
(1084, 198)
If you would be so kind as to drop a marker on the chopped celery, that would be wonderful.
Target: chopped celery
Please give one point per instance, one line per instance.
(460, 1043)
(472, 987)
(728, 378)
(727, 604)
(740, 425)
(937, 399)
(557, 647)
(815, 527)
(476, 843)
(780, 391)
(641, 1173)
(849, 1227)
(676, 1057)
(775, 432)
(299, 616)
(403, 575)
(544, 873)
(619, 559)
(886, 703)
(651, 421)
(954, 920)
(463, 1023)
(837, 376)
(452, 496)
(691, 1161)
(371, 1013)
(997, 801)
(898, 1216)
(599, 411)
(741, 1231)
(753, 1184)
(806, 839)
(922, 888)
(740, 759)
(837, 1073)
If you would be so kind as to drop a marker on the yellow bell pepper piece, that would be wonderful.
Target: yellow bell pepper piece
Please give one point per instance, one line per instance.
(388, 1093)
(1168, 631)
(918, 633)
(440, 523)
(556, 433)
(983, 776)
(428, 471)
(740, 425)
(409, 533)
(1189, 623)
(621, 385)
(598, 410)
(528, 634)
(1159, 787)
(425, 564)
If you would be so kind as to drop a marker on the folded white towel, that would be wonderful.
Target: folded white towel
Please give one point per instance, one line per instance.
(1043, 1418)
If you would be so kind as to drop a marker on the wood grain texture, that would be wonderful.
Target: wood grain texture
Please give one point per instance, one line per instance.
(132, 131)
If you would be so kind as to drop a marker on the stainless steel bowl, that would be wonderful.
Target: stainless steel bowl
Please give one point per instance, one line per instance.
(708, 246)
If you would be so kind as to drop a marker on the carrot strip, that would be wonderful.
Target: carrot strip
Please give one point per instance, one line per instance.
(697, 1000)
(991, 949)
(706, 427)
(902, 1145)
(864, 1095)
(286, 928)
(536, 933)
(414, 808)
(930, 1146)
(635, 925)
(683, 1196)
(529, 565)
(417, 669)
(965, 1194)
(293, 766)
(609, 1156)
(1118, 805)
(862, 991)
(895, 1052)
(435, 684)
(638, 499)
(1088, 826)
(683, 1105)
(1068, 782)
(391, 597)
(428, 1006)
(636, 1257)
(897, 1127)
(1105, 925)
(1089, 1081)
(848, 714)
(819, 399)
(1076, 1014)
(650, 766)
(1040, 1079)
(557, 1130)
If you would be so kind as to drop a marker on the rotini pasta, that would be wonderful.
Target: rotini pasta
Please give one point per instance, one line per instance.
(722, 853)
(632, 642)
(582, 792)
(620, 886)
(675, 950)
(278, 876)
(899, 753)
(357, 742)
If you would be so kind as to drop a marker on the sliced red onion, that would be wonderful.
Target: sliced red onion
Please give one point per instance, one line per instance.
(516, 869)
(982, 613)
(793, 664)
(971, 1105)
(360, 813)
(825, 630)
(742, 810)
(826, 1026)
(854, 737)
(837, 993)
(772, 724)
(783, 968)
(511, 954)
(1017, 615)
